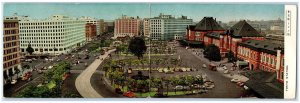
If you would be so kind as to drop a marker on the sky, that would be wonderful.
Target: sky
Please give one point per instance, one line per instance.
(111, 11)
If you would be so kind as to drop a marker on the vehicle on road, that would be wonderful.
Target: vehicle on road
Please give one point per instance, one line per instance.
(40, 71)
(226, 71)
(28, 60)
(241, 84)
(50, 67)
(46, 59)
(178, 87)
(129, 94)
(13, 82)
(235, 80)
(204, 66)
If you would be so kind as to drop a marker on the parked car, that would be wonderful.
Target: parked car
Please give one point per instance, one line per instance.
(241, 84)
(224, 67)
(50, 67)
(226, 71)
(34, 59)
(28, 60)
(235, 80)
(178, 87)
(46, 59)
(129, 94)
(204, 66)
(13, 82)
(40, 71)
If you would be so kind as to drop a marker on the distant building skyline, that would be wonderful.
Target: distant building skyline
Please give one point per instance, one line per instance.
(112, 11)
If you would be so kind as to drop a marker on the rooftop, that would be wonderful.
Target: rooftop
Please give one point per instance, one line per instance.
(208, 23)
(264, 84)
(243, 29)
(269, 46)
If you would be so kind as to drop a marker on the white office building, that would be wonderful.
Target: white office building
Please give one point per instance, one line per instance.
(55, 35)
(166, 27)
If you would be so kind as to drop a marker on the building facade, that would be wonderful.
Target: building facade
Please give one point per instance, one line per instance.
(264, 55)
(55, 35)
(127, 26)
(166, 27)
(11, 49)
(90, 31)
(93, 21)
(146, 29)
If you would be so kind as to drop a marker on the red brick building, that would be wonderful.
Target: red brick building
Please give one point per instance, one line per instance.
(11, 49)
(127, 26)
(228, 41)
(195, 33)
(90, 31)
(265, 55)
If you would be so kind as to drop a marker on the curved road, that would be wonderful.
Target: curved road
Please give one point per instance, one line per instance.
(83, 84)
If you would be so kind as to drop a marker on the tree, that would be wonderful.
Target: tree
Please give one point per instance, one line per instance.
(137, 47)
(212, 52)
(29, 49)
(231, 57)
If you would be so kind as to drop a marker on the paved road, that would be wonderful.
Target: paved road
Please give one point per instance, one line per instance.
(224, 88)
(83, 83)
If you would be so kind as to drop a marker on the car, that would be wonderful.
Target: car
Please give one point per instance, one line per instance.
(50, 67)
(226, 71)
(235, 80)
(183, 69)
(224, 67)
(13, 82)
(46, 59)
(188, 69)
(129, 94)
(51, 59)
(245, 87)
(178, 87)
(58, 60)
(204, 66)
(34, 59)
(28, 60)
(241, 84)
(40, 71)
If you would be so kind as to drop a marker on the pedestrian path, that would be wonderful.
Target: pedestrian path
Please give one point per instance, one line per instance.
(83, 84)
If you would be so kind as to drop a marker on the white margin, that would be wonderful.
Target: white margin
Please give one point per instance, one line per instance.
(290, 39)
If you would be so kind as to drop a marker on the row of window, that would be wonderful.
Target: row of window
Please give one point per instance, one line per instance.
(7, 32)
(35, 31)
(42, 45)
(11, 63)
(10, 38)
(12, 50)
(11, 44)
(9, 57)
(10, 25)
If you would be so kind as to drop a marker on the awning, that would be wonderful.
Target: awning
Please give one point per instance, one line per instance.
(239, 63)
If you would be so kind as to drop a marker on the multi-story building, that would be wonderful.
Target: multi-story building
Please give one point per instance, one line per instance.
(55, 35)
(228, 41)
(146, 29)
(266, 55)
(195, 33)
(103, 27)
(166, 27)
(11, 49)
(127, 26)
(93, 21)
(90, 31)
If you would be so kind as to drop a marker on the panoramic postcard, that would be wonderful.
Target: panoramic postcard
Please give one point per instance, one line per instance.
(143, 50)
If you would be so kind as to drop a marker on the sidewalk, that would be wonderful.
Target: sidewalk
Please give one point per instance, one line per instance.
(83, 84)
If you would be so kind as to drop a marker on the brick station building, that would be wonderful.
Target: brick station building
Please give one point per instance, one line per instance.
(264, 55)
(195, 33)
